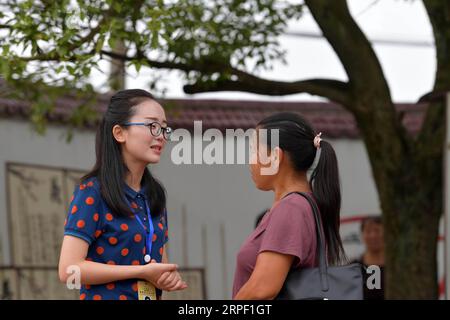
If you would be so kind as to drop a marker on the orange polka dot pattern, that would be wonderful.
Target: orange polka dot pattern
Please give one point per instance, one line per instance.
(113, 240)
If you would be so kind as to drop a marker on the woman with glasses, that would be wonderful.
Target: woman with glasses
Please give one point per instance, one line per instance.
(116, 229)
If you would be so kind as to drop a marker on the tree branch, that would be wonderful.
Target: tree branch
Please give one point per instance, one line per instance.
(332, 89)
(204, 66)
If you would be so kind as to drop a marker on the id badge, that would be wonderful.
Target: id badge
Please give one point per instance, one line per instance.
(146, 291)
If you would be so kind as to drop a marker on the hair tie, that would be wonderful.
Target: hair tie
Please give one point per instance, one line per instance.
(317, 140)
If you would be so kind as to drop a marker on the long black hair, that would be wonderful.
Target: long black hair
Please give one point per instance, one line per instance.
(110, 168)
(296, 138)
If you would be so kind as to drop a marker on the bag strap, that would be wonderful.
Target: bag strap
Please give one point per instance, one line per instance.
(323, 268)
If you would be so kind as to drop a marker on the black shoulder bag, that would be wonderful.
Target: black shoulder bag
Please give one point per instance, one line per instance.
(322, 283)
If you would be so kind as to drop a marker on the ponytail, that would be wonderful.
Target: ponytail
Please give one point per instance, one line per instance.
(325, 185)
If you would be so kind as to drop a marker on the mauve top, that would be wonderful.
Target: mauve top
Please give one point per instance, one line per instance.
(289, 228)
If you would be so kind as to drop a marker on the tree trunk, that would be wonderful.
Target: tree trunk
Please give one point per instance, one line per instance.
(411, 246)
(117, 73)
(407, 170)
(412, 205)
(409, 185)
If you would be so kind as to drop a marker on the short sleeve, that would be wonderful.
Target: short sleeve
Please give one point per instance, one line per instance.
(83, 218)
(289, 230)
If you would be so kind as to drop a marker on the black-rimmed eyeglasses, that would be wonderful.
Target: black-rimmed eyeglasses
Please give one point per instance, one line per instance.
(154, 127)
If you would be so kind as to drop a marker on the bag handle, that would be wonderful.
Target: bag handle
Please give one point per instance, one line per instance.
(323, 268)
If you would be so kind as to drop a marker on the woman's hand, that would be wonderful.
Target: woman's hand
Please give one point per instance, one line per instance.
(152, 272)
(170, 281)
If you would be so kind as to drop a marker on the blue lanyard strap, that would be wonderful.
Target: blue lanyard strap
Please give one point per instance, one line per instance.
(148, 232)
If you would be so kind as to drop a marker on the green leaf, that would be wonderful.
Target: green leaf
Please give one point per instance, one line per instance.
(137, 65)
(99, 44)
(71, 69)
(6, 49)
(59, 69)
(155, 40)
(112, 42)
(86, 71)
(117, 6)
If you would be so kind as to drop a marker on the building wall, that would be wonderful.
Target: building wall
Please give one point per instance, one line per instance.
(212, 208)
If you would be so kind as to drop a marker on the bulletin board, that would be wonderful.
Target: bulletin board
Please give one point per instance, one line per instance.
(37, 203)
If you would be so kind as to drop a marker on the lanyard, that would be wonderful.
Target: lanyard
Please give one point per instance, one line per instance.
(148, 232)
